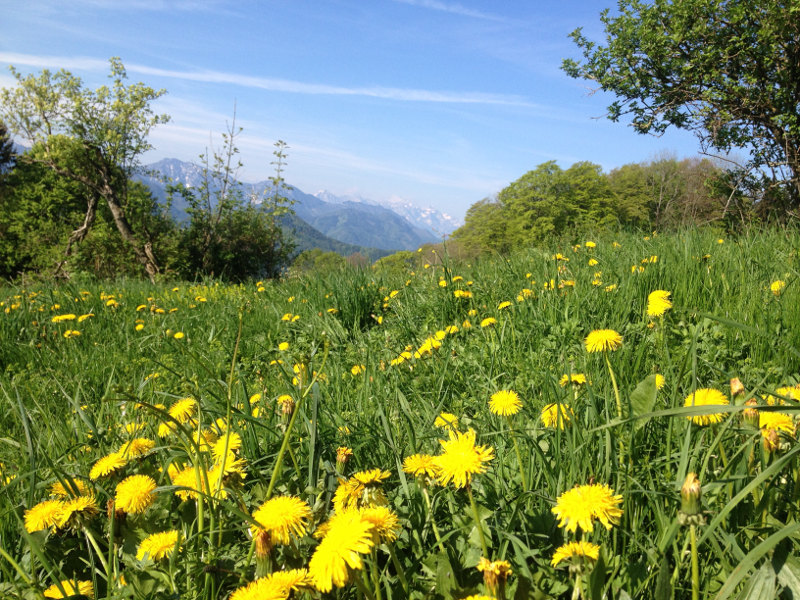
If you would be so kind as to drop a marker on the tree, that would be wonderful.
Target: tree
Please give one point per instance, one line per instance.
(111, 126)
(727, 70)
(7, 155)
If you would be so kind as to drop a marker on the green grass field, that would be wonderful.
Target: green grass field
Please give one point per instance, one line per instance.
(214, 414)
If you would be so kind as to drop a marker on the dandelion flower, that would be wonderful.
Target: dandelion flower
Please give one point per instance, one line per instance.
(107, 465)
(446, 421)
(281, 517)
(495, 574)
(83, 588)
(504, 304)
(557, 415)
(226, 444)
(135, 493)
(76, 509)
(420, 465)
(43, 516)
(775, 420)
(461, 459)
(136, 447)
(385, 523)
(488, 322)
(581, 505)
(182, 410)
(658, 303)
(371, 477)
(348, 536)
(706, 397)
(576, 551)
(602, 340)
(660, 381)
(275, 586)
(158, 545)
(573, 378)
(505, 403)
(73, 487)
(776, 287)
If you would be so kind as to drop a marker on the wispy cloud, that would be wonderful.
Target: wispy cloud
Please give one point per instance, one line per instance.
(453, 8)
(272, 84)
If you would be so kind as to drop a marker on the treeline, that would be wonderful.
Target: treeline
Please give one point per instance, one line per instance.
(662, 194)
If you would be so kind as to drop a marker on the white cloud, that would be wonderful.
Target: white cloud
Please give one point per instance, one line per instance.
(271, 84)
(453, 8)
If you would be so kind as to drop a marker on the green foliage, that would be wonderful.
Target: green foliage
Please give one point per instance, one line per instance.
(318, 261)
(726, 70)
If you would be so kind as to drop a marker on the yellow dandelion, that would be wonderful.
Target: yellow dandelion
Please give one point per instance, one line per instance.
(135, 494)
(446, 421)
(70, 488)
(179, 335)
(488, 322)
(158, 545)
(136, 447)
(658, 303)
(348, 536)
(386, 525)
(461, 459)
(576, 551)
(573, 378)
(504, 304)
(660, 381)
(706, 397)
(43, 515)
(505, 403)
(282, 517)
(76, 509)
(230, 442)
(183, 409)
(371, 477)
(581, 505)
(62, 318)
(557, 415)
(107, 465)
(71, 588)
(420, 465)
(776, 287)
(777, 421)
(495, 574)
(602, 340)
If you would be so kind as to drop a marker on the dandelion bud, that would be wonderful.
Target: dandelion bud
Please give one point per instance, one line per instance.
(286, 403)
(495, 575)
(343, 456)
(736, 387)
(750, 414)
(263, 543)
(691, 505)
(772, 440)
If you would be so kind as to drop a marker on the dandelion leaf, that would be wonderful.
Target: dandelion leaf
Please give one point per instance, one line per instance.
(643, 399)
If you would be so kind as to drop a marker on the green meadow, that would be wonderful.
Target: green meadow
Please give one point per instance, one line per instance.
(331, 435)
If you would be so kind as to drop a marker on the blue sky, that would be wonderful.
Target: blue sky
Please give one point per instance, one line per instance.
(438, 102)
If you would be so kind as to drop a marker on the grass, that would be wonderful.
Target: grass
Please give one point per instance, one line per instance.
(365, 370)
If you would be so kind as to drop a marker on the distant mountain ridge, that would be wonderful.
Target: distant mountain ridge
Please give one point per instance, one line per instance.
(439, 223)
(356, 223)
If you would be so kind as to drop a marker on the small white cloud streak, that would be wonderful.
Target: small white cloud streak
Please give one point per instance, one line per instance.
(450, 7)
(270, 84)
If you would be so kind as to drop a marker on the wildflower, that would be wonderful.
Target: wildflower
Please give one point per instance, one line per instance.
(136, 447)
(776, 421)
(581, 505)
(107, 465)
(283, 346)
(461, 459)
(83, 588)
(572, 378)
(611, 288)
(446, 421)
(772, 440)
(278, 519)
(371, 477)
(602, 340)
(495, 574)
(343, 455)
(505, 403)
(488, 322)
(576, 552)
(158, 545)
(275, 586)
(557, 415)
(286, 404)
(139, 326)
(462, 294)
(62, 318)
(776, 287)
(179, 335)
(73, 487)
(71, 333)
(690, 497)
(420, 465)
(504, 304)
(183, 409)
(592, 262)
(385, 523)
(347, 536)
(43, 515)
(658, 303)
(706, 397)
(135, 494)
(82, 318)
(74, 510)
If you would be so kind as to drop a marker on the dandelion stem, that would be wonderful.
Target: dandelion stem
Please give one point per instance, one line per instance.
(695, 563)
(478, 524)
(433, 520)
(376, 574)
(361, 587)
(519, 455)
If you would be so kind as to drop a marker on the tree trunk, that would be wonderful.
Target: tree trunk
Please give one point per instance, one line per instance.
(144, 253)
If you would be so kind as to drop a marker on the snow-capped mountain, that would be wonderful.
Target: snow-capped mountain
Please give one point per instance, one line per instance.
(439, 223)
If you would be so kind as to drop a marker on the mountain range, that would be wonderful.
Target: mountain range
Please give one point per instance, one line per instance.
(343, 224)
